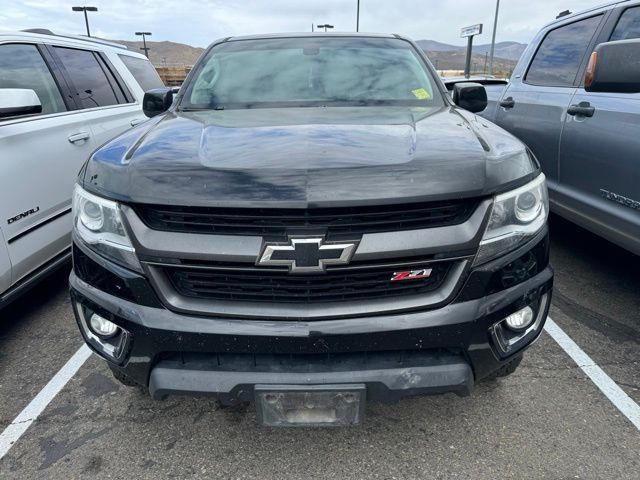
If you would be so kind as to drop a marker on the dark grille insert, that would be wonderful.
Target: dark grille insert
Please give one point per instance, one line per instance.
(262, 286)
(352, 221)
(309, 361)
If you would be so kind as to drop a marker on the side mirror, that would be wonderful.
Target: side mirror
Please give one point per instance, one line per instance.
(614, 67)
(18, 101)
(470, 96)
(157, 101)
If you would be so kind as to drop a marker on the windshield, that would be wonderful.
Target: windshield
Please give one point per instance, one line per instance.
(320, 71)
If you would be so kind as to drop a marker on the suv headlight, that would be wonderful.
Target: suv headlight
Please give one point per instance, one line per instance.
(97, 223)
(517, 216)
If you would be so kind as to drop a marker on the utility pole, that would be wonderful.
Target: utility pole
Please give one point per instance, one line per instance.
(358, 17)
(493, 37)
(144, 42)
(86, 19)
(312, 28)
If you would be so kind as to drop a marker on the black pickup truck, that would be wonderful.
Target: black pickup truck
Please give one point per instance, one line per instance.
(311, 222)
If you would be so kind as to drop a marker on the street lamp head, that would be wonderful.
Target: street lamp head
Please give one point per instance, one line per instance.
(77, 9)
(143, 33)
(82, 9)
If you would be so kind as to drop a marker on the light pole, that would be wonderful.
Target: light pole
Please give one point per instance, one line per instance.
(85, 10)
(325, 26)
(493, 37)
(358, 17)
(144, 42)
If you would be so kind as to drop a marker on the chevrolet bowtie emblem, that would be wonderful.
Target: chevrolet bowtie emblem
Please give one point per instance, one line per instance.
(306, 255)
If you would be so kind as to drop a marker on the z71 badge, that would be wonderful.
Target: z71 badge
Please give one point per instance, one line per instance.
(411, 275)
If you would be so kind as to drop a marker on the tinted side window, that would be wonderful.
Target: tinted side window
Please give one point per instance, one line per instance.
(559, 57)
(22, 66)
(88, 77)
(628, 25)
(143, 72)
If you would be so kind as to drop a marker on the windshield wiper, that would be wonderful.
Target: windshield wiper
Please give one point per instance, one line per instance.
(200, 109)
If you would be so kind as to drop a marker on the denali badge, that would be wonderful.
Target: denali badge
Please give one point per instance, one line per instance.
(23, 215)
(411, 275)
(306, 254)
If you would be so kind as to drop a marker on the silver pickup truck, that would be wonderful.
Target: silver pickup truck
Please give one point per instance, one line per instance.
(579, 113)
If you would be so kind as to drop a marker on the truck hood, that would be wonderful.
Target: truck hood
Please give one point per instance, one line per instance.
(305, 157)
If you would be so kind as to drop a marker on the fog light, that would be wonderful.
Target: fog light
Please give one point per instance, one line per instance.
(520, 320)
(103, 327)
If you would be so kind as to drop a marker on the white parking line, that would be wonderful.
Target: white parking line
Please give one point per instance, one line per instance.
(614, 393)
(31, 412)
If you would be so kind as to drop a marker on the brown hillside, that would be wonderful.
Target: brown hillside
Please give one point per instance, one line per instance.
(179, 54)
(169, 53)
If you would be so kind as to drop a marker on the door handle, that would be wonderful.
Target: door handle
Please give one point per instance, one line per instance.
(137, 121)
(508, 102)
(78, 137)
(583, 109)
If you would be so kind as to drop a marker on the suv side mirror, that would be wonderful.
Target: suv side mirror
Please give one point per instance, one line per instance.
(18, 101)
(470, 96)
(157, 101)
(614, 67)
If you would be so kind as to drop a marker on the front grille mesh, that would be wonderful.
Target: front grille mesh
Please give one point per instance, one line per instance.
(255, 285)
(344, 221)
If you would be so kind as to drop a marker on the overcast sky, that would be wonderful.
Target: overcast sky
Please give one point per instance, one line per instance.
(199, 22)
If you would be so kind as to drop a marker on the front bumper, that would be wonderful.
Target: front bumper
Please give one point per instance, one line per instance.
(433, 351)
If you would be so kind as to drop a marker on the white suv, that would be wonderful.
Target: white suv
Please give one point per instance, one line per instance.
(60, 98)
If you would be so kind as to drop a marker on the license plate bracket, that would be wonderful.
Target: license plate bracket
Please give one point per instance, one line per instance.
(310, 405)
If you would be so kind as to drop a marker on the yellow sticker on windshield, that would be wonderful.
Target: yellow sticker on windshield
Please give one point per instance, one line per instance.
(421, 94)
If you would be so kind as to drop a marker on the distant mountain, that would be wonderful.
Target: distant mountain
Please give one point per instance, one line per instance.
(166, 53)
(433, 46)
(443, 55)
(452, 57)
(506, 50)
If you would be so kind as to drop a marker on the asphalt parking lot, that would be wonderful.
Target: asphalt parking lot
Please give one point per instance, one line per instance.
(548, 420)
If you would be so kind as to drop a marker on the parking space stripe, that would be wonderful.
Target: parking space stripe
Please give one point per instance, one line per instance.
(613, 392)
(31, 412)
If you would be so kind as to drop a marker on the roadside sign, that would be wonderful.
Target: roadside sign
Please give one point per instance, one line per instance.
(471, 31)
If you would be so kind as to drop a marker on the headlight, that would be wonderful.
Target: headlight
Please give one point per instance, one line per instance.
(517, 216)
(97, 223)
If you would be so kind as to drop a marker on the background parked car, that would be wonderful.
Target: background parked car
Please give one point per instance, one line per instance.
(60, 98)
(587, 140)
